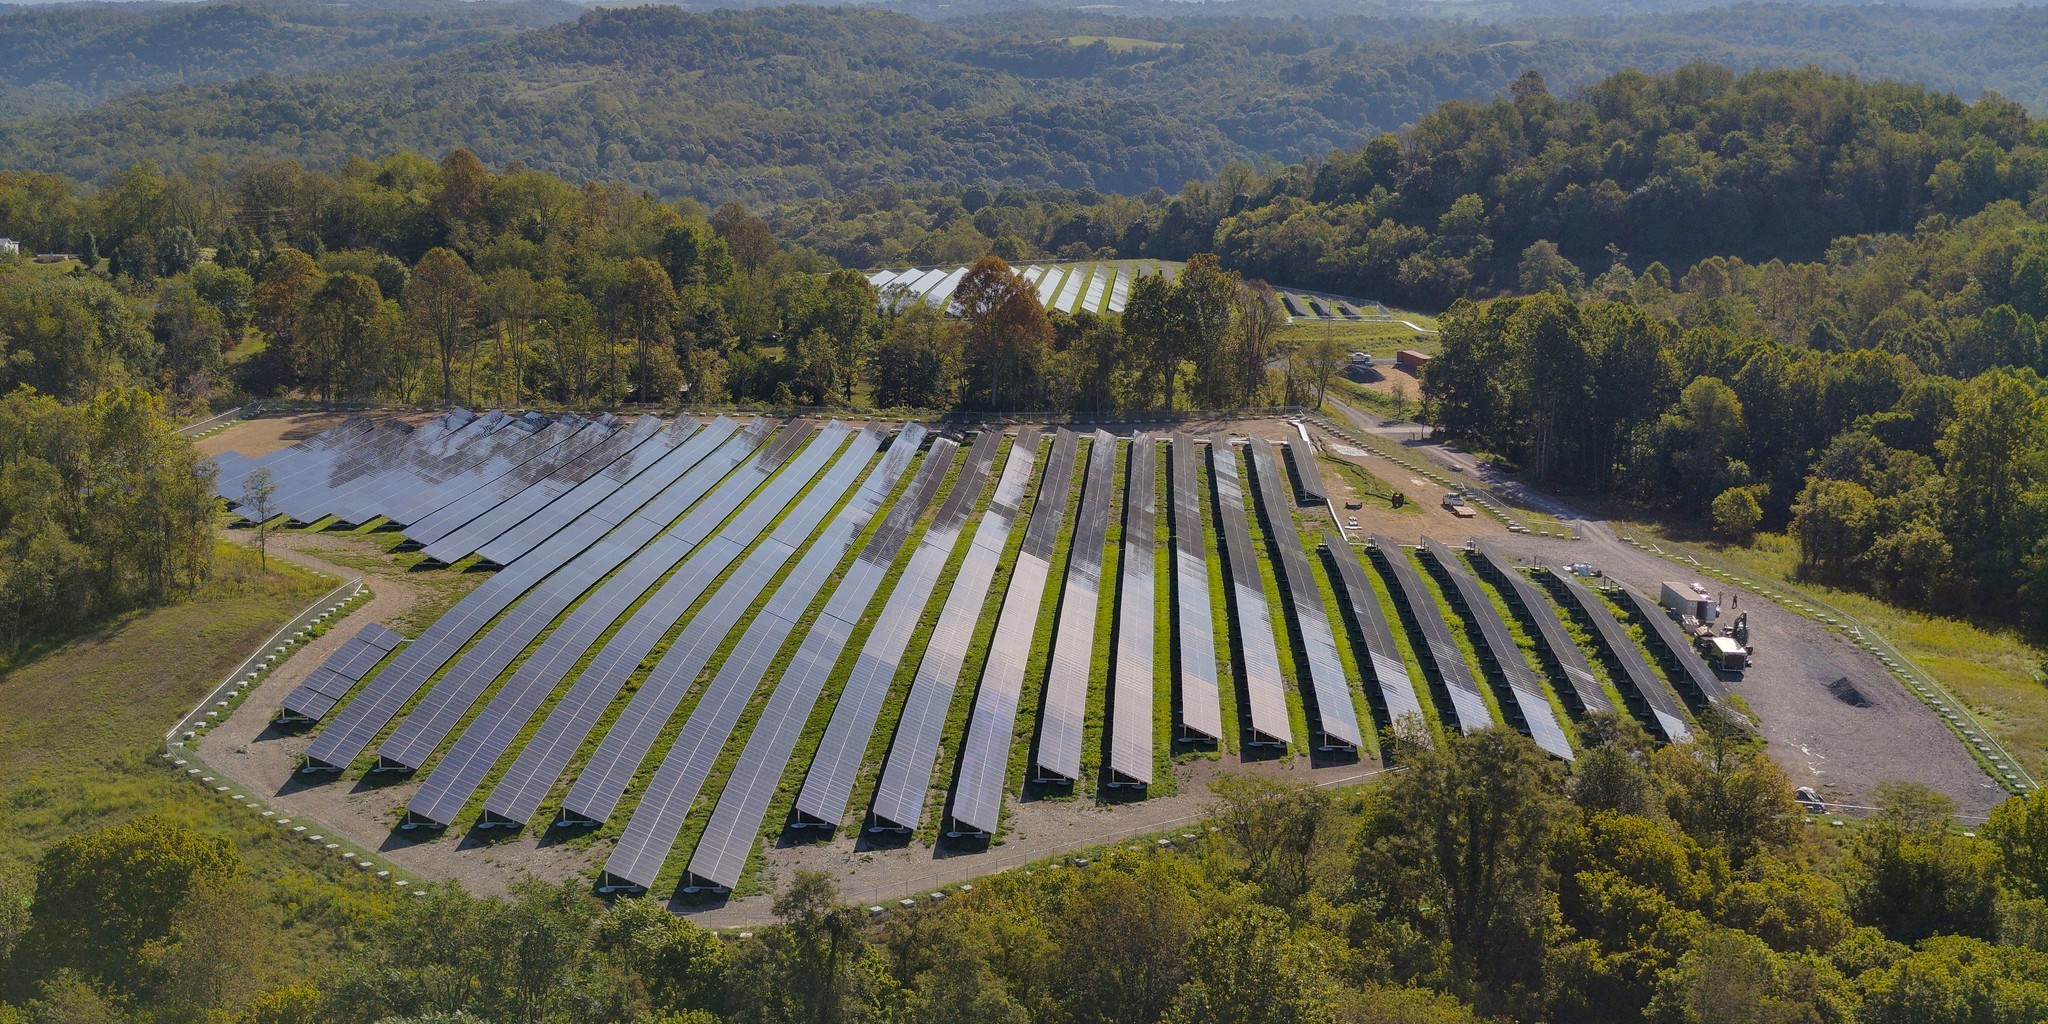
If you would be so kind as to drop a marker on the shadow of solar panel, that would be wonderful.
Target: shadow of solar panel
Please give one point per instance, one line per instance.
(1439, 651)
(328, 684)
(1399, 701)
(1648, 686)
(1201, 710)
(1265, 691)
(1334, 716)
(1063, 714)
(829, 784)
(985, 757)
(1130, 707)
(907, 774)
(1676, 650)
(1500, 652)
(1562, 654)
(705, 459)
(670, 795)
(416, 739)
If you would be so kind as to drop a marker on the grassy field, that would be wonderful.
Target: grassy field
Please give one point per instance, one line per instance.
(1993, 671)
(1380, 337)
(1121, 44)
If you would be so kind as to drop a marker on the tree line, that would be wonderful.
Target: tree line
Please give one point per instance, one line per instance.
(1675, 885)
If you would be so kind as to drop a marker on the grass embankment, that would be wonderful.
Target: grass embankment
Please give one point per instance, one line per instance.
(81, 729)
(1229, 682)
(1994, 671)
(1094, 720)
(1380, 338)
(1164, 629)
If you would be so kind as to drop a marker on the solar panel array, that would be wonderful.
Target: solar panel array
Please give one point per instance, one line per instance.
(1063, 715)
(1439, 651)
(1306, 472)
(985, 757)
(1201, 714)
(721, 855)
(625, 745)
(627, 574)
(1399, 699)
(829, 783)
(1644, 681)
(327, 685)
(1130, 701)
(671, 794)
(1498, 650)
(900, 796)
(706, 458)
(533, 500)
(1557, 645)
(1265, 691)
(1335, 718)
(1677, 650)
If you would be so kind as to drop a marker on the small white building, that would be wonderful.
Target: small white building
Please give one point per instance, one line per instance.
(10, 247)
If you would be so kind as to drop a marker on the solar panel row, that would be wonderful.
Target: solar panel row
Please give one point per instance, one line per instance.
(1399, 702)
(1201, 711)
(328, 684)
(532, 437)
(1562, 653)
(1676, 650)
(688, 472)
(1265, 691)
(498, 726)
(1438, 651)
(502, 487)
(533, 500)
(672, 793)
(1334, 715)
(907, 774)
(415, 739)
(829, 784)
(721, 854)
(991, 729)
(1309, 475)
(632, 735)
(429, 449)
(1130, 701)
(303, 497)
(434, 464)
(1649, 688)
(591, 496)
(1499, 651)
(1061, 718)
(289, 466)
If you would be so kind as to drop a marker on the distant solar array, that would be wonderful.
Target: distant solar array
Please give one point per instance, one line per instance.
(704, 632)
(1098, 286)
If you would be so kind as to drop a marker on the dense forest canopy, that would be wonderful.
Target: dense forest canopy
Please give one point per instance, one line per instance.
(791, 102)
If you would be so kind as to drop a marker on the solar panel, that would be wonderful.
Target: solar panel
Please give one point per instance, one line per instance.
(494, 731)
(1648, 686)
(424, 476)
(288, 465)
(672, 793)
(985, 758)
(907, 774)
(302, 497)
(359, 500)
(531, 438)
(328, 684)
(721, 855)
(1130, 704)
(1063, 714)
(1265, 692)
(1307, 473)
(415, 740)
(646, 466)
(1438, 650)
(626, 744)
(509, 484)
(1334, 716)
(1398, 697)
(359, 467)
(1499, 651)
(1677, 651)
(1568, 664)
(541, 497)
(829, 783)
(708, 456)
(1201, 713)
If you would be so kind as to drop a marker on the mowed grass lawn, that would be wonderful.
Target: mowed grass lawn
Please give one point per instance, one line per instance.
(1993, 671)
(81, 724)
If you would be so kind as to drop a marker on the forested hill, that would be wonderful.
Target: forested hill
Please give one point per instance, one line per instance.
(72, 55)
(792, 102)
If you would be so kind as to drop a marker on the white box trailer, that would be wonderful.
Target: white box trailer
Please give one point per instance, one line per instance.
(1690, 599)
(1727, 655)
